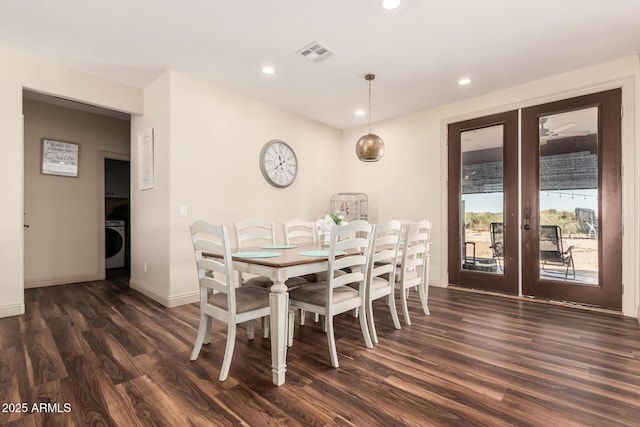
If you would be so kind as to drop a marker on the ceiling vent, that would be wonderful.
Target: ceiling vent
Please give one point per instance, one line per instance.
(316, 52)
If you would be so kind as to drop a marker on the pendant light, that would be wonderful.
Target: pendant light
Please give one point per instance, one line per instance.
(370, 147)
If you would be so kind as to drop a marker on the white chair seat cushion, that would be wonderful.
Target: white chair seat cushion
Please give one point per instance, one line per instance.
(316, 293)
(409, 275)
(321, 276)
(379, 283)
(247, 298)
(265, 282)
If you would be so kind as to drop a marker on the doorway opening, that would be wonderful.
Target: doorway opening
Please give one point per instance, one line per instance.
(117, 221)
(65, 239)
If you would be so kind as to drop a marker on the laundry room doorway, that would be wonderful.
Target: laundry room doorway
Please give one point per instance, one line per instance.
(117, 224)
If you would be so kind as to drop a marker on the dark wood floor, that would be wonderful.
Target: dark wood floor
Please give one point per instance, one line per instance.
(110, 356)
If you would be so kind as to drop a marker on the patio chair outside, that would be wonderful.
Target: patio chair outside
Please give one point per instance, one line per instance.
(497, 242)
(552, 251)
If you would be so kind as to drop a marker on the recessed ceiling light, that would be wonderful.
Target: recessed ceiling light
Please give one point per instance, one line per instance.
(390, 4)
(464, 82)
(359, 112)
(268, 70)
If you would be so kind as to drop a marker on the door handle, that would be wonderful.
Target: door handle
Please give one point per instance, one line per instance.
(526, 218)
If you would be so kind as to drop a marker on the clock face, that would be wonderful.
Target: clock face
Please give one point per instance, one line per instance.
(278, 163)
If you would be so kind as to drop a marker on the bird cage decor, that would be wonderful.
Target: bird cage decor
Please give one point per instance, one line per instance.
(352, 206)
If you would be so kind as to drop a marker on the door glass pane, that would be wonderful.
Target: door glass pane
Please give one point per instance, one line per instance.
(569, 196)
(482, 200)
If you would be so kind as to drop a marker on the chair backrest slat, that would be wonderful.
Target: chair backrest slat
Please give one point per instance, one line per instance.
(343, 238)
(253, 232)
(384, 250)
(415, 249)
(300, 231)
(213, 259)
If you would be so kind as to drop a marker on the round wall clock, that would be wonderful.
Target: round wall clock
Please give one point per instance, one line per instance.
(278, 163)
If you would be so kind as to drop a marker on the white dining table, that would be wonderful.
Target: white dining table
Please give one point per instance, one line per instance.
(290, 263)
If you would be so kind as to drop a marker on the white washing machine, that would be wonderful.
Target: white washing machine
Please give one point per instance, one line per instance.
(114, 239)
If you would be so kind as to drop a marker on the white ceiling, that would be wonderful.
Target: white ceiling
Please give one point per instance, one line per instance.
(417, 52)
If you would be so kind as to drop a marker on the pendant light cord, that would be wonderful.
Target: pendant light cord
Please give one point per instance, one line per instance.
(369, 106)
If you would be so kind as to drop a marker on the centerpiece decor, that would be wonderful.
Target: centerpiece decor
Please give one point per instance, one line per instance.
(327, 223)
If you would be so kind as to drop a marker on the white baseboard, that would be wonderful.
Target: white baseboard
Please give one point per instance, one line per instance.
(183, 299)
(437, 283)
(40, 283)
(11, 310)
(167, 301)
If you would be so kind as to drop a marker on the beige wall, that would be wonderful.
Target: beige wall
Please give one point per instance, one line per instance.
(20, 72)
(207, 146)
(150, 208)
(64, 213)
(411, 180)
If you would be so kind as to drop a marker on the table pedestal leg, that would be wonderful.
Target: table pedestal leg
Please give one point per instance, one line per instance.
(279, 303)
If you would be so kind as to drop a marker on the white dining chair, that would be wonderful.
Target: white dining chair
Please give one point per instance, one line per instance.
(299, 231)
(220, 297)
(348, 250)
(303, 232)
(413, 271)
(381, 270)
(256, 233)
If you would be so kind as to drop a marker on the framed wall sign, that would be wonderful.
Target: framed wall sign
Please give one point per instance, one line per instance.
(145, 159)
(59, 158)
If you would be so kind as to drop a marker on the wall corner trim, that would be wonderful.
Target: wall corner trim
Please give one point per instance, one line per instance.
(12, 310)
(166, 300)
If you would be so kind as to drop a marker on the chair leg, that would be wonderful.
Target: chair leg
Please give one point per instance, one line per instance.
(228, 351)
(365, 329)
(423, 290)
(290, 327)
(302, 314)
(265, 327)
(251, 328)
(572, 265)
(202, 331)
(391, 302)
(331, 339)
(207, 332)
(405, 308)
(371, 322)
(316, 317)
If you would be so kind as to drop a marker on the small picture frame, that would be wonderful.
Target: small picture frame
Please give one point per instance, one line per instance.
(59, 158)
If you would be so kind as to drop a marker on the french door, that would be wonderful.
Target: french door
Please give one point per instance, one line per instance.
(483, 203)
(572, 200)
(568, 180)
